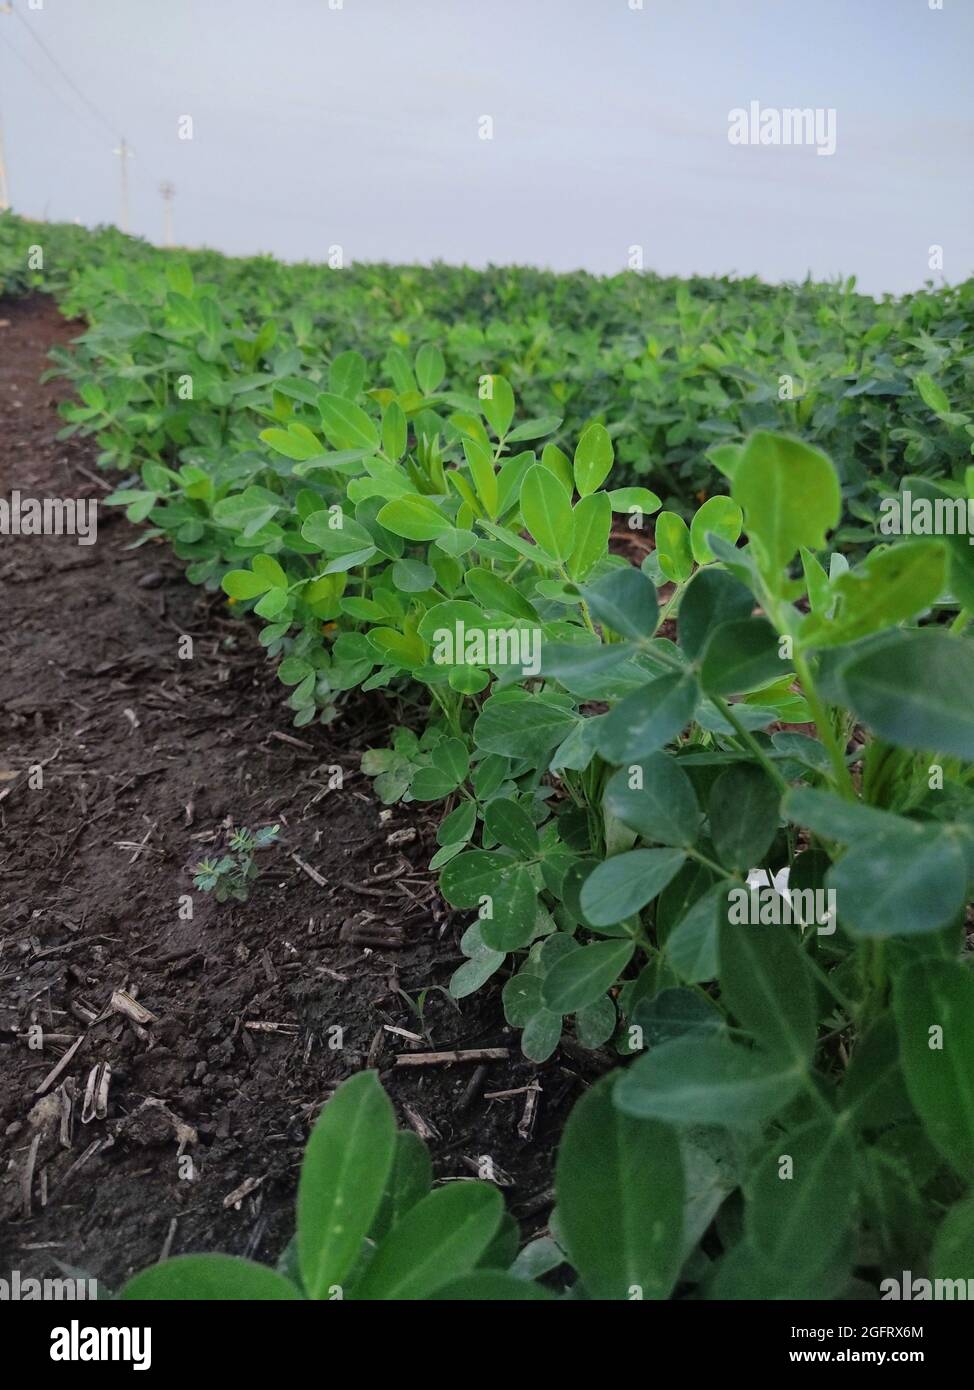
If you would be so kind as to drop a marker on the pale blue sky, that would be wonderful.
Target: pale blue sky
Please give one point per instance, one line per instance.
(358, 126)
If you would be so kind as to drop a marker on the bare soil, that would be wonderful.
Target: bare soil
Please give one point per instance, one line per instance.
(146, 761)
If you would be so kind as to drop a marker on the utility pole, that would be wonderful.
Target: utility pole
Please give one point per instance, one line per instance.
(4, 190)
(125, 153)
(168, 191)
(4, 194)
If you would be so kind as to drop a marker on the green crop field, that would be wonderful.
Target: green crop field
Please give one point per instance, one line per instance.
(666, 584)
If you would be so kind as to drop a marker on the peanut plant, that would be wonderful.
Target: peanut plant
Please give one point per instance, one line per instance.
(713, 812)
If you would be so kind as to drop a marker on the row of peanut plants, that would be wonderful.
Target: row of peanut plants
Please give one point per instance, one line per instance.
(614, 753)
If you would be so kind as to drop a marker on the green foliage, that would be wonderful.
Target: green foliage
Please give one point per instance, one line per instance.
(440, 522)
(233, 874)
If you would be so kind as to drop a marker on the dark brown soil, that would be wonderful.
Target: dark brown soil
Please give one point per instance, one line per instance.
(146, 761)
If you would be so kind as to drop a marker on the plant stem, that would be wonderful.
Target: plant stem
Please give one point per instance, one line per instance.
(675, 597)
(728, 712)
(961, 621)
(823, 724)
(714, 866)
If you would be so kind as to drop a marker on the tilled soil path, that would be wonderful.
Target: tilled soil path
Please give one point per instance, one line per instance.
(124, 1134)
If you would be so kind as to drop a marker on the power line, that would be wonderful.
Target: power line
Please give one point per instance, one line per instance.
(38, 74)
(168, 191)
(124, 150)
(99, 115)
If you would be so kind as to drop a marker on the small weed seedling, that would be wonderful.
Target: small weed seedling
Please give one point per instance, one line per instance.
(232, 876)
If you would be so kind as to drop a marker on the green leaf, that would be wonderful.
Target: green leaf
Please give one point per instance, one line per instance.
(620, 1190)
(637, 501)
(743, 809)
(296, 442)
(558, 463)
(816, 582)
(293, 670)
(596, 1022)
(514, 912)
(394, 430)
(933, 395)
(247, 511)
(452, 758)
(498, 406)
(712, 597)
(413, 576)
(346, 375)
(720, 516)
(836, 817)
(584, 975)
(481, 465)
(874, 1091)
(242, 584)
(655, 797)
(496, 594)
(209, 1278)
(273, 603)
(475, 972)
(336, 533)
(933, 1003)
(725, 458)
(673, 1013)
(593, 459)
(953, 1247)
(511, 825)
(673, 548)
(900, 882)
(765, 984)
(346, 1165)
(741, 656)
(415, 518)
(889, 587)
(625, 601)
(704, 1080)
(570, 661)
(691, 947)
(430, 368)
(593, 522)
(649, 718)
(492, 1286)
(801, 1195)
(960, 579)
(441, 1238)
(541, 1035)
(431, 784)
(534, 429)
(624, 884)
(398, 648)
(410, 1180)
(529, 726)
(913, 688)
(547, 512)
(271, 570)
(518, 544)
(789, 493)
(469, 680)
(345, 424)
(474, 874)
